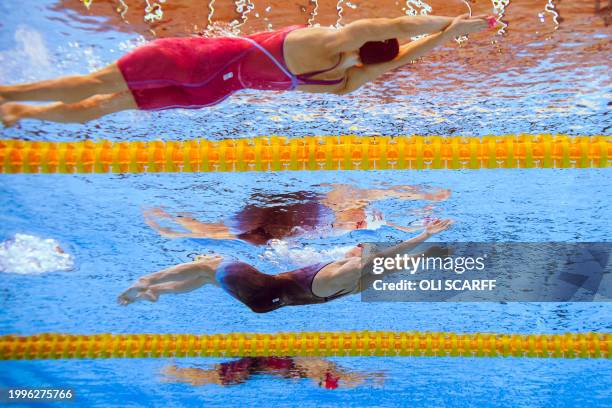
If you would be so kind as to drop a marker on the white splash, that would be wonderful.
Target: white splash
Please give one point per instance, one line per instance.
(28, 255)
(244, 7)
(30, 57)
(416, 7)
(551, 8)
(340, 11)
(211, 12)
(287, 253)
(123, 10)
(315, 12)
(499, 8)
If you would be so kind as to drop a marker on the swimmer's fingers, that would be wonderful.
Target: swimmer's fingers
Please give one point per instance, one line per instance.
(437, 226)
(123, 300)
(131, 294)
(155, 212)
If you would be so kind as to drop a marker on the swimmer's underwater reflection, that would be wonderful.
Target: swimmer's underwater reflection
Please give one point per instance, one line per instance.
(322, 372)
(301, 214)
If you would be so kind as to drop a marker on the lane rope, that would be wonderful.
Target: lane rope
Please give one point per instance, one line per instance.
(276, 153)
(355, 343)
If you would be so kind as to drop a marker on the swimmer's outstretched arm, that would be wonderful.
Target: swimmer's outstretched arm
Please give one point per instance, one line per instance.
(181, 278)
(462, 25)
(347, 275)
(432, 228)
(345, 196)
(355, 34)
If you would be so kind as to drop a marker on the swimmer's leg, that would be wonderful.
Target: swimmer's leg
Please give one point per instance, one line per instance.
(80, 112)
(68, 89)
(181, 278)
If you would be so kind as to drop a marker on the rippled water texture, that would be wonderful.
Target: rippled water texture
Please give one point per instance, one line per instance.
(540, 77)
(534, 79)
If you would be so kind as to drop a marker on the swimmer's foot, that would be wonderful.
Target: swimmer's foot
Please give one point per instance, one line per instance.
(11, 113)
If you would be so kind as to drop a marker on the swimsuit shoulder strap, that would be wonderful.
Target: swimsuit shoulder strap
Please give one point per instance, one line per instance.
(302, 79)
(279, 62)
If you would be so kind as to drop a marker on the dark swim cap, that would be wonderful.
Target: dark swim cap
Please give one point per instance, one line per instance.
(375, 52)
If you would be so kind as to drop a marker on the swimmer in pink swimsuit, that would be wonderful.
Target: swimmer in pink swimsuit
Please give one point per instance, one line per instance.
(199, 72)
(262, 293)
(325, 373)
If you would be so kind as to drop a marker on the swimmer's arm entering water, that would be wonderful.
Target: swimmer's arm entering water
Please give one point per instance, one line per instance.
(435, 227)
(181, 278)
(347, 275)
(462, 25)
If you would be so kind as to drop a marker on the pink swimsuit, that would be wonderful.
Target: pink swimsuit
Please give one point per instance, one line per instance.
(198, 72)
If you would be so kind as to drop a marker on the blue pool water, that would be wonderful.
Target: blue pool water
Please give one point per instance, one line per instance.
(98, 220)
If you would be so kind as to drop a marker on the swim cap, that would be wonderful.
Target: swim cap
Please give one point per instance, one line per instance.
(375, 52)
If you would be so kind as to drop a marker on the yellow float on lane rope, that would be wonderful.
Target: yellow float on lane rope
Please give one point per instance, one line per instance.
(276, 153)
(324, 344)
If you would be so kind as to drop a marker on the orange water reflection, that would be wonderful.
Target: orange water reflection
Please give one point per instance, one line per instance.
(552, 66)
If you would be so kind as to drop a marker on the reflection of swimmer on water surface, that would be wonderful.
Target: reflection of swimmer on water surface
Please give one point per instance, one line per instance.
(196, 72)
(301, 213)
(323, 372)
(316, 283)
(604, 11)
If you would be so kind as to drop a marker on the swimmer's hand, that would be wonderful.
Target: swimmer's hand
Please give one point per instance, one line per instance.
(139, 291)
(437, 226)
(464, 25)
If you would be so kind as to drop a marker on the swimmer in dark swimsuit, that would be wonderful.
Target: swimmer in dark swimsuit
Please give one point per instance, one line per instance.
(277, 216)
(262, 293)
(195, 72)
(324, 373)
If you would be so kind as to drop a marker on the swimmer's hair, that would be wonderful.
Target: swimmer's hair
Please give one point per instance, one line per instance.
(376, 52)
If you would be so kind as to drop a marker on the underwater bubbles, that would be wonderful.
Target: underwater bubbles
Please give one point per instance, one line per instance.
(28, 254)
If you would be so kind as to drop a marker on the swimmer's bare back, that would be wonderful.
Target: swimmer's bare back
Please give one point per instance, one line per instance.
(167, 73)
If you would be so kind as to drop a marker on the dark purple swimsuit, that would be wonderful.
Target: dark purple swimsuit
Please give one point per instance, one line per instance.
(264, 293)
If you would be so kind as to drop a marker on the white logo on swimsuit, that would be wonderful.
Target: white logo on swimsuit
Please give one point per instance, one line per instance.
(227, 76)
(275, 300)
